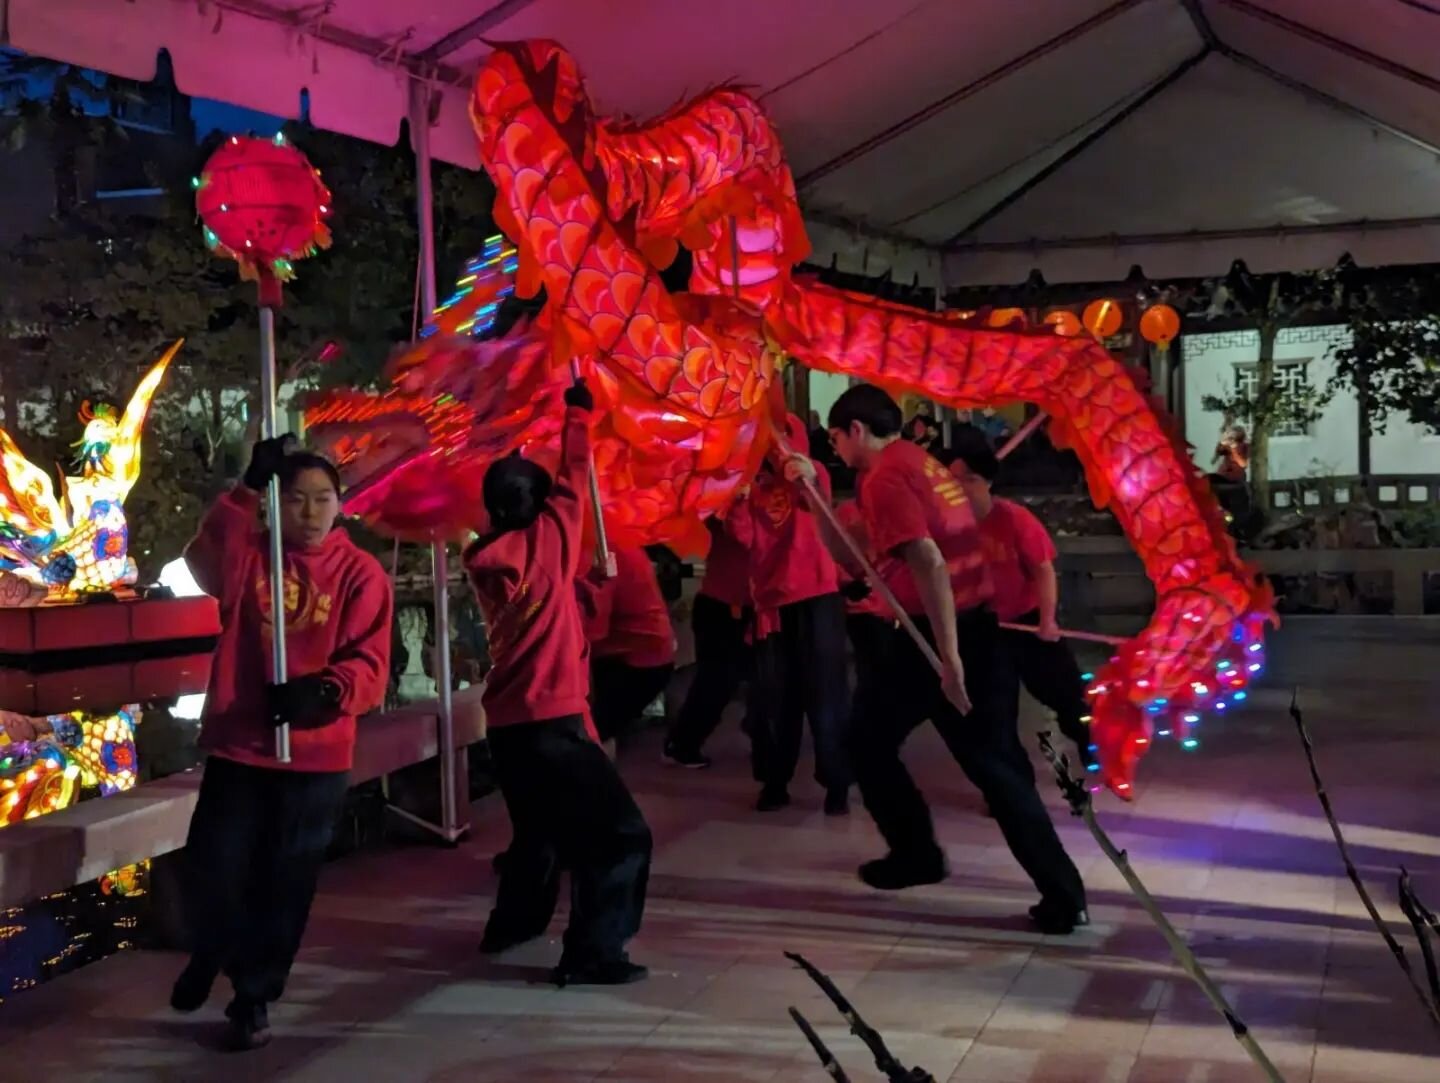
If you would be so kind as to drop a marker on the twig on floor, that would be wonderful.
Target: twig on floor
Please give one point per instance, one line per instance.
(1081, 805)
(1396, 950)
(1423, 922)
(895, 1072)
(827, 1059)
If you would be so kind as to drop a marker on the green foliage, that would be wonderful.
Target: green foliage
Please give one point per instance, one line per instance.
(92, 299)
(1393, 358)
(1271, 408)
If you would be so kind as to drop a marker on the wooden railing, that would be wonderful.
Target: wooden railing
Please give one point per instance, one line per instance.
(1102, 578)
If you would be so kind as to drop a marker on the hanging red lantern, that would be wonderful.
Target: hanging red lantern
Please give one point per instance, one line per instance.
(1102, 318)
(1065, 322)
(1159, 325)
(1005, 317)
(264, 206)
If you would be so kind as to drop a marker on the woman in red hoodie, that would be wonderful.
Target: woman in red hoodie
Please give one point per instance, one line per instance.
(632, 646)
(568, 805)
(261, 828)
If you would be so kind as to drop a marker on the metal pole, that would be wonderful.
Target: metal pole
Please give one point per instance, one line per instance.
(439, 558)
(603, 559)
(270, 430)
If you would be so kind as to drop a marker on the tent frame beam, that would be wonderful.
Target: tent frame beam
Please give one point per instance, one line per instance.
(1115, 120)
(464, 35)
(1344, 48)
(1196, 236)
(1319, 96)
(372, 48)
(880, 139)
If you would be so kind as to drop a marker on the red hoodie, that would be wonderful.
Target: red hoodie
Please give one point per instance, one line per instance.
(337, 623)
(727, 566)
(524, 584)
(626, 617)
(788, 558)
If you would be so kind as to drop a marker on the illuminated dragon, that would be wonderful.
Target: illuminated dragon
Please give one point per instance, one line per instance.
(56, 550)
(595, 208)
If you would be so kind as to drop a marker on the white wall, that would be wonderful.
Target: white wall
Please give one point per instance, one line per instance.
(1331, 447)
(825, 388)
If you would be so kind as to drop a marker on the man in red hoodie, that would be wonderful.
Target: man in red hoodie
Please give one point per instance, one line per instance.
(261, 827)
(568, 805)
(924, 532)
(632, 646)
(799, 637)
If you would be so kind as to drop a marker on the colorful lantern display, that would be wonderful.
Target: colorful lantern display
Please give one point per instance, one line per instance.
(683, 381)
(1159, 324)
(264, 206)
(55, 550)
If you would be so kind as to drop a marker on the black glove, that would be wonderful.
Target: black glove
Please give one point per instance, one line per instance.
(304, 702)
(578, 396)
(266, 458)
(857, 590)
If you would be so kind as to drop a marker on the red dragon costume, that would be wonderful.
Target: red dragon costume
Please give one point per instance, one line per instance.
(595, 208)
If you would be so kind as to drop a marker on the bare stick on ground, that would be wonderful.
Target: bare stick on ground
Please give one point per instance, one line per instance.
(827, 1058)
(895, 1072)
(1394, 945)
(1081, 805)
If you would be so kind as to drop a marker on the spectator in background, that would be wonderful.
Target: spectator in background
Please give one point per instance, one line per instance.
(1232, 454)
(922, 430)
(996, 428)
(819, 439)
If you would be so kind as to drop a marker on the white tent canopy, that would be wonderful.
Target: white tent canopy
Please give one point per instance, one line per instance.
(984, 137)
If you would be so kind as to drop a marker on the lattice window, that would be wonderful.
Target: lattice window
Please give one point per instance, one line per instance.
(1292, 380)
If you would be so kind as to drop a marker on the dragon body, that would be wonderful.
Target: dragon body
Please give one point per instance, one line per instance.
(685, 381)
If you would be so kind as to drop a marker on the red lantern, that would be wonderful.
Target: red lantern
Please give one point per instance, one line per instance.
(1005, 317)
(1160, 324)
(264, 206)
(1065, 322)
(1103, 318)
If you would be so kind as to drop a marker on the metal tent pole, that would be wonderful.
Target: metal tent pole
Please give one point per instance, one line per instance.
(451, 827)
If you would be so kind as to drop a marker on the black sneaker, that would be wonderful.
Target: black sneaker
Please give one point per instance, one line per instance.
(611, 972)
(1058, 919)
(498, 937)
(192, 987)
(895, 873)
(684, 757)
(772, 798)
(249, 1026)
(837, 801)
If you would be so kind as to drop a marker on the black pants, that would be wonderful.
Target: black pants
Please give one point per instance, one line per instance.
(870, 638)
(1049, 672)
(800, 674)
(257, 840)
(722, 661)
(982, 742)
(569, 809)
(619, 692)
